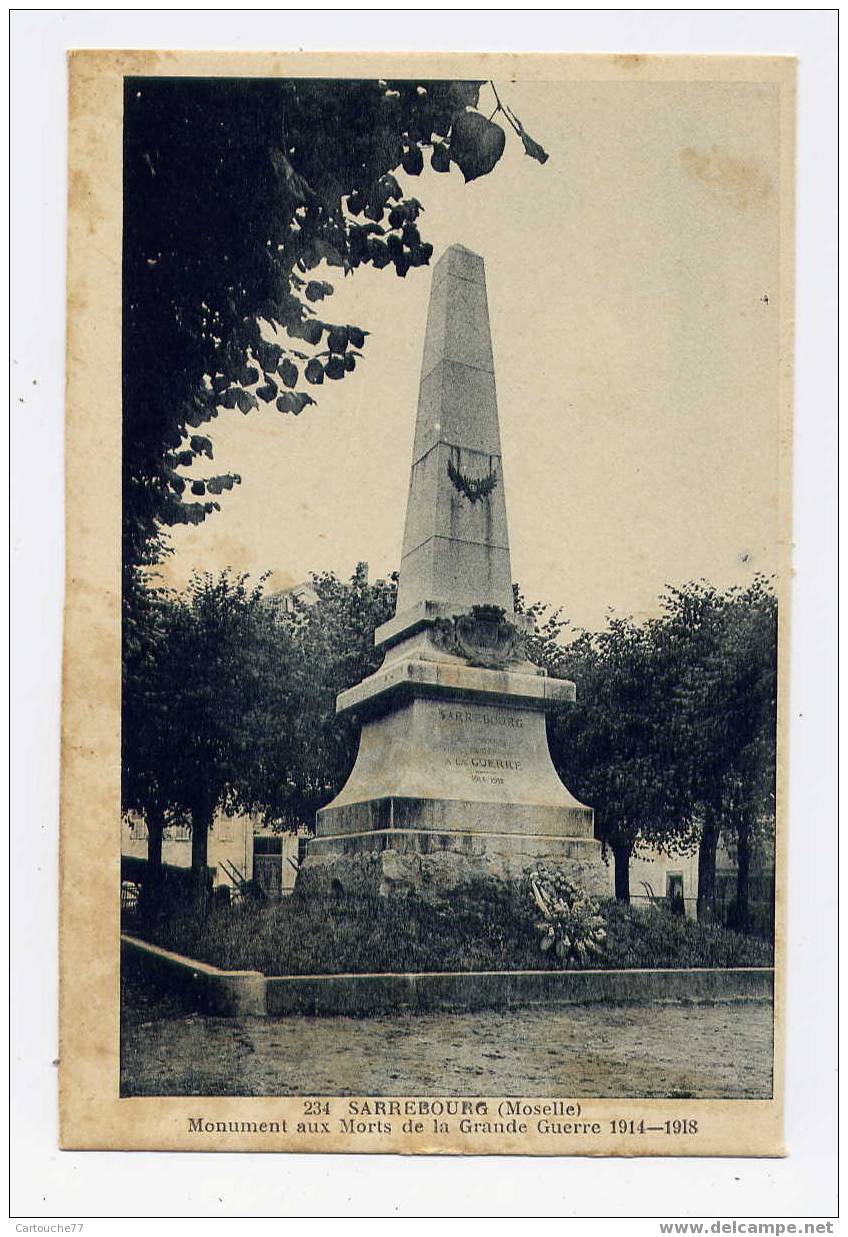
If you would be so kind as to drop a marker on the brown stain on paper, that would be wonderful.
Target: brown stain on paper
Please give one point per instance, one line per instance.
(740, 183)
(629, 60)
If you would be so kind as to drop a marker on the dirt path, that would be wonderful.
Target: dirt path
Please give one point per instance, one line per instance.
(709, 1051)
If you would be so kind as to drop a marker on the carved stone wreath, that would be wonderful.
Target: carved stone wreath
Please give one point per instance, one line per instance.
(484, 638)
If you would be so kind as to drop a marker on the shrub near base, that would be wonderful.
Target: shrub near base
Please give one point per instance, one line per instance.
(488, 927)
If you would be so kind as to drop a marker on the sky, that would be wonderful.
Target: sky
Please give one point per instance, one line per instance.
(633, 287)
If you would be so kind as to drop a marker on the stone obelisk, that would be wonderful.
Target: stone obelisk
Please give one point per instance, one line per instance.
(453, 780)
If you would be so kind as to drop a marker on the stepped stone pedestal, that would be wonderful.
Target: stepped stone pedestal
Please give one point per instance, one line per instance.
(454, 781)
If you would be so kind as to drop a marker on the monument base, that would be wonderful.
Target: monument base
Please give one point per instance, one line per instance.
(433, 863)
(453, 784)
(455, 762)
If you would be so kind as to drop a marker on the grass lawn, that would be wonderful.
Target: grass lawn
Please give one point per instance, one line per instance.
(487, 927)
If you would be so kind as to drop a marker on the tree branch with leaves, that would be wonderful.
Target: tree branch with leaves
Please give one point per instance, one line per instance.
(237, 193)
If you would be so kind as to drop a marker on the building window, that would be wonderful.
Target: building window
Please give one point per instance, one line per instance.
(674, 893)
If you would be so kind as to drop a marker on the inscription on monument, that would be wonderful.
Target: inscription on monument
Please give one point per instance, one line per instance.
(481, 761)
(484, 768)
(482, 717)
(485, 762)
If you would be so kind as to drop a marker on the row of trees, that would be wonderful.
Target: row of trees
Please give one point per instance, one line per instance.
(229, 704)
(229, 701)
(672, 740)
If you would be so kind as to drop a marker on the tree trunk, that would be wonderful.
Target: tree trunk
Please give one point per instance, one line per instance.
(621, 854)
(706, 869)
(201, 822)
(743, 872)
(150, 896)
(155, 830)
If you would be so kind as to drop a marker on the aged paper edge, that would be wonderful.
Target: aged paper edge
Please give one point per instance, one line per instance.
(92, 1116)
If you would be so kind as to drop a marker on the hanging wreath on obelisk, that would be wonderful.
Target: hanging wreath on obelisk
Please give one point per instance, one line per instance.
(473, 488)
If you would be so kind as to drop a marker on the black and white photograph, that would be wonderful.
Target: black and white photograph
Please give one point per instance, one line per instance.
(451, 567)
(423, 619)
(446, 787)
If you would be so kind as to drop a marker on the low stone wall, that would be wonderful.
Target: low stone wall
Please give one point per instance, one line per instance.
(359, 994)
(226, 993)
(233, 993)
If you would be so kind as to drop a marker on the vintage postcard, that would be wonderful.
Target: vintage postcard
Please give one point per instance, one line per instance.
(426, 622)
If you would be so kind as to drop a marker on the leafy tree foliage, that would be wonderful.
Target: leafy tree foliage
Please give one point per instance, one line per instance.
(230, 701)
(237, 193)
(147, 790)
(228, 686)
(613, 748)
(332, 644)
(725, 716)
(672, 739)
(546, 644)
